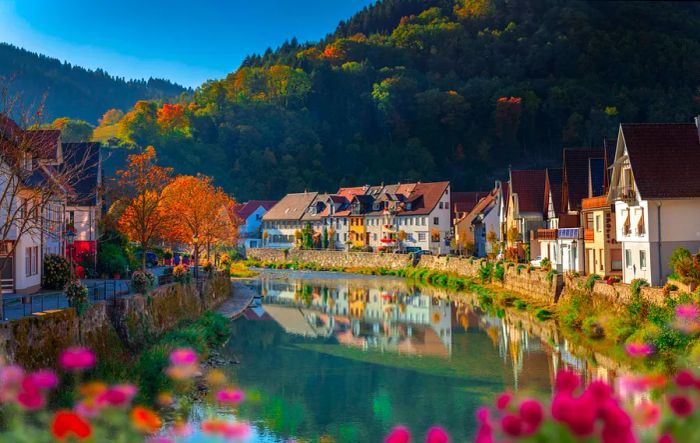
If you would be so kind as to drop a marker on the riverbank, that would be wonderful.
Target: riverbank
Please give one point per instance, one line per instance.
(599, 318)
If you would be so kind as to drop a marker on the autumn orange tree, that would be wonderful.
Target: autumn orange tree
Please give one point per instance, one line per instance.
(196, 207)
(143, 219)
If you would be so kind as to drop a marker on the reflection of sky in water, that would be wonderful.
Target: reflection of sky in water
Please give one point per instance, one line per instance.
(348, 358)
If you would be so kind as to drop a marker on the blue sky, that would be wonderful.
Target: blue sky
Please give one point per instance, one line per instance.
(184, 41)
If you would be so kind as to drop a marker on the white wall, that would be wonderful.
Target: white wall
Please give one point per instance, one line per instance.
(23, 282)
(84, 220)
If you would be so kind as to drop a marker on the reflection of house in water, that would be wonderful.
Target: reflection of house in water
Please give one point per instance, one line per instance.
(390, 319)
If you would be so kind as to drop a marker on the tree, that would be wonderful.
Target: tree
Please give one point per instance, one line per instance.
(195, 207)
(73, 131)
(111, 117)
(307, 237)
(492, 238)
(143, 218)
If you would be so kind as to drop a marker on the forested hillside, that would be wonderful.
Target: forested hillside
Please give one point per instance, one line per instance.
(435, 89)
(71, 90)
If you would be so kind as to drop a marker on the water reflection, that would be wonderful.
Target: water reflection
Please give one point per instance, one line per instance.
(343, 358)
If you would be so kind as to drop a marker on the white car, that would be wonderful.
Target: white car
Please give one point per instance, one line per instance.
(537, 262)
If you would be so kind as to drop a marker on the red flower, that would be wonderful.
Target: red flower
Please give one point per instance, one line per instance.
(512, 425)
(567, 381)
(399, 434)
(503, 400)
(437, 435)
(66, 423)
(680, 405)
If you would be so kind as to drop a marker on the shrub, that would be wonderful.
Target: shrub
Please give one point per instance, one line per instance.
(486, 271)
(668, 287)
(499, 272)
(520, 305)
(143, 281)
(181, 274)
(111, 259)
(590, 282)
(543, 314)
(546, 264)
(56, 272)
(77, 295)
(592, 328)
(550, 277)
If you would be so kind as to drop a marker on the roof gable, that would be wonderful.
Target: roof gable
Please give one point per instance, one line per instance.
(576, 170)
(529, 187)
(291, 206)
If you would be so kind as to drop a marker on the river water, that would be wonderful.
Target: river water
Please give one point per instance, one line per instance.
(343, 358)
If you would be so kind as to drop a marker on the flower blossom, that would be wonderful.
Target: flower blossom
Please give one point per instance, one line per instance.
(639, 349)
(400, 434)
(66, 424)
(77, 359)
(230, 396)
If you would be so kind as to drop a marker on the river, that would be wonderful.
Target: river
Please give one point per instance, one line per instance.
(343, 358)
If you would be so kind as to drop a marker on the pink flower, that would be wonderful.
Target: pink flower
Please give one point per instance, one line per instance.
(230, 396)
(666, 438)
(567, 381)
(599, 391)
(532, 413)
(236, 430)
(436, 434)
(482, 414)
(87, 408)
(687, 311)
(11, 379)
(399, 434)
(512, 425)
(685, 379)
(183, 356)
(118, 395)
(77, 359)
(639, 349)
(578, 413)
(648, 413)
(502, 400)
(31, 399)
(181, 429)
(681, 405)
(484, 434)
(42, 379)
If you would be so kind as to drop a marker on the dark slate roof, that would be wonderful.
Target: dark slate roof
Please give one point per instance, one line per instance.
(465, 201)
(576, 175)
(8, 127)
(45, 141)
(554, 182)
(85, 157)
(597, 174)
(529, 185)
(665, 159)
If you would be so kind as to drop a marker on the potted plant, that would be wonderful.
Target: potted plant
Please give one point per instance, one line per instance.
(77, 295)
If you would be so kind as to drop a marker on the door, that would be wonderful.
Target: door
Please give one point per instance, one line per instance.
(7, 280)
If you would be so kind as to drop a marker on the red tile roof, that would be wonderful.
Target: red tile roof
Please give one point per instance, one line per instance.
(291, 207)
(554, 186)
(665, 159)
(349, 193)
(529, 186)
(45, 141)
(425, 197)
(244, 210)
(465, 201)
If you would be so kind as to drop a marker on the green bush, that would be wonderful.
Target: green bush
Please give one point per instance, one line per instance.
(592, 328)
(486, 272)
(543, 314)
(590, 282)
(499, 272)
(56, 272)
(520, 305)
(111, 259)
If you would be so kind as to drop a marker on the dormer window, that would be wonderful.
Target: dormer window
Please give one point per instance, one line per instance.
(409, 206)
(27, 161)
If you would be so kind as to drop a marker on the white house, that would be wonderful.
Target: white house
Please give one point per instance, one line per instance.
(656, 193)
(426, 217)
(489, 219)
(282, 221)
(250, 219)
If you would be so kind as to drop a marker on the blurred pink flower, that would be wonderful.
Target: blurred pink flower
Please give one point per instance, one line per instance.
(117, 395)
(437, 434)
(648, 413)
(399, 434)
(681, 405)
(88, 408)
(502, 400)
(11, 379)
(685, 379)
(639, 349)
(230, 396)
(567, 381)
(687, 311)
(41, 379)
(236, 430)
(77, 359)
(31, 399)
(183, 356)
(532, 413)
(512, 425)
(181, 429)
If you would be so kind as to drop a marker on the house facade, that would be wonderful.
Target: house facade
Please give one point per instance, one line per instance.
(656, 196)
(525, 210)
(284, 219)
(489, 221)
(250, 220)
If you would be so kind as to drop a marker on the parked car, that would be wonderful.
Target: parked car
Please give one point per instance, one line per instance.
(537, 262)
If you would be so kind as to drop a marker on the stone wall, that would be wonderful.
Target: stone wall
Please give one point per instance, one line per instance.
(108, 327)
(333, 258)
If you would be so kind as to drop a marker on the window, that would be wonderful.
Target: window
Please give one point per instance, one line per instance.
(627, 225)
(345, 237)
(422, 236)
(589, 220)
(436, 220)
(598, 223)
(374, 236)
(424, 221)
(31, 261)
(643, 259)
(447, 205)
(628, 258)
(345, 222)
(641, 230)
(441, 205)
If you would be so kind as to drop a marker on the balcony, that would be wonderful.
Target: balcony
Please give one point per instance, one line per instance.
(588, 234)
(627, 194)
(594, 202)
(546, 234)
(569, 233)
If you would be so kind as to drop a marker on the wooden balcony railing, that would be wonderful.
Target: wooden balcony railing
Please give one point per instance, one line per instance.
(546, 234)
(588, 235)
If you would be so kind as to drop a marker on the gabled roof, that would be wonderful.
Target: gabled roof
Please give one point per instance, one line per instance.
(529, 186)
(245, 210)
(291, 206)
(46, 142)
(425, 197)
(8, 127)
(576, 175)
(319, 203)
(465, 201)
(665, 158)
(554, 186)
(349, 193)
(596, 177)
(85, 159)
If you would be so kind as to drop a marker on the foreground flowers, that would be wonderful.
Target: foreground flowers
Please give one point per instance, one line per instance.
(103, 412)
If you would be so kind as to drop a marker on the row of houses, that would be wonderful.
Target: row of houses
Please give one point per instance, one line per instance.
(411, 216)
(48, 189)
(620, 209)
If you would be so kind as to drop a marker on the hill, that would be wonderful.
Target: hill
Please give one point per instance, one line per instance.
(433, 89)
(71, 90)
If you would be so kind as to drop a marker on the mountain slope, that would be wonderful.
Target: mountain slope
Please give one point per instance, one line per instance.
(71, 90)
(435, 89)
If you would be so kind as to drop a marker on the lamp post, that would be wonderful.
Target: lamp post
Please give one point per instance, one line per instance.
(195, 241)
(70, 238)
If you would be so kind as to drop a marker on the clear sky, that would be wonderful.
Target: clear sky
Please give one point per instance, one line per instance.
(184, 41)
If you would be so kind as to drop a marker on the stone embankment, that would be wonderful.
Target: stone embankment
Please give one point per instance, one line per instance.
(125, 324)
(533, 284)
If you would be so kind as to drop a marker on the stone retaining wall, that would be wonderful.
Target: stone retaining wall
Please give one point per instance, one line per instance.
(617, 294)
(108, 327)
(333, 258)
